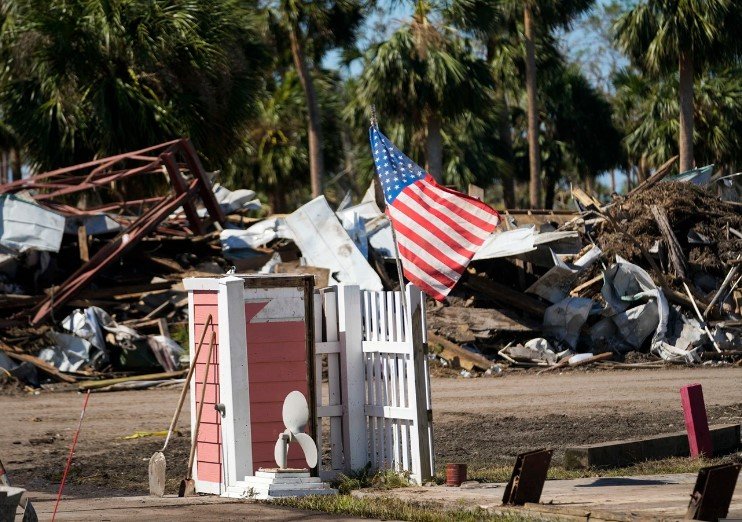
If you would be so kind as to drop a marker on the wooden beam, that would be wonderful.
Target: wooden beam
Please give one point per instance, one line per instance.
(43, 366)
(82, 241)
(504, 294)
(466, 359)
(92, 385)
(675, 253)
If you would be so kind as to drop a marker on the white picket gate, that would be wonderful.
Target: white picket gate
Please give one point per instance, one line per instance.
(376, 406)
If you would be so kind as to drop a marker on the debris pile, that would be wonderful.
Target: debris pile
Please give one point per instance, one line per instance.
(656, 272)
(92, 257)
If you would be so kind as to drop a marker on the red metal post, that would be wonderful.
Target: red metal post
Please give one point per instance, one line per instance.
(179, 187)
(205, 189)
(696, 422)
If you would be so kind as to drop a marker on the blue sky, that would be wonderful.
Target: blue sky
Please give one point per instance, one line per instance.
(395, 11)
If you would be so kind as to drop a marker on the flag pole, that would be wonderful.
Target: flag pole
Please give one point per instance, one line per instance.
(398, 259)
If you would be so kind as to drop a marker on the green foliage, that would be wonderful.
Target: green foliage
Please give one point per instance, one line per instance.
(422, 69)
(363, 478)
(85, 78)
(647, 109)
(656, 32)
(388, 508)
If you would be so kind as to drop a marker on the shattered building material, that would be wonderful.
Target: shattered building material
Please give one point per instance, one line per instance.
(51, 191)
(324, 243)
(26, 225)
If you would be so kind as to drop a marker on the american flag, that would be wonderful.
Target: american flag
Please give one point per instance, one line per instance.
(438, 230)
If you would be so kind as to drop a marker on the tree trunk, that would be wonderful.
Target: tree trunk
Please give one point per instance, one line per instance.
(3, 167)
(434, 148)
(16, 164)
(534, 155)
(642, 170)
(316, 161)
(685, 142)
(550, 191)
(508, 178)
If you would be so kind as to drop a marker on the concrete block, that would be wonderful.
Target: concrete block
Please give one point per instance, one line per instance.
(9, 499)
(620, 453)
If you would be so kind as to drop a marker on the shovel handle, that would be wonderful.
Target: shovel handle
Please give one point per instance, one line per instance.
(191, 370)
(194, 434)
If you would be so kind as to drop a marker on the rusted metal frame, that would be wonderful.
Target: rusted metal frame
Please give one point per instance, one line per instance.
(120, 205)
(100, 168)
(103, 180)
(179, 186)
(205, 189)
(21, 183)
(107, 208)
(136, 157)
(111, 252)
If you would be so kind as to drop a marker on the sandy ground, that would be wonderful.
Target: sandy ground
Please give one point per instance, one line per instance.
(482, 421)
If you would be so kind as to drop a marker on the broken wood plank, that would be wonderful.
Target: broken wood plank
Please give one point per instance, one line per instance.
(476, 192)
(43, 366)
(466, 359)
(727, 281)
(92, 385)
(564, 363)
(120, 292)
(161, 310)
(585, 199)
(675, 253)
(82, 242)
(161, 262)
(575, 292)
(700, 318)
(503, 294)
(163, 327)
(655, 178)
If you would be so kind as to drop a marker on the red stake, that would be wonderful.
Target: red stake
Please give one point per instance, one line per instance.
(696, 422)
(69, 457)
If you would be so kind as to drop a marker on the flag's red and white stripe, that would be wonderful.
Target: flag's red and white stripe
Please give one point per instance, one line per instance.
(438, 232)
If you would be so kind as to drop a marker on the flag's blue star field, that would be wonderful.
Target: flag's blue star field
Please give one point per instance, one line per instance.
(395, 169)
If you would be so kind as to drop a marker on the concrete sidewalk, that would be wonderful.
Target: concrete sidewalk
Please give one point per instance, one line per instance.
(608, 498)
(168, 508)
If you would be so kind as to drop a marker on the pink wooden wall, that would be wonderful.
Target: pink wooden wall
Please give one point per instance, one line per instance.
(277, 365)
(208, 447)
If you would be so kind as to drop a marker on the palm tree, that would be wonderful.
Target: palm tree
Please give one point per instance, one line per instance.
(312, 29)
(580, 118)
(647, 111)
(425, 74)
(85, 78)
(551, 13)
(274, 159)
(683, 35)
(498, 20)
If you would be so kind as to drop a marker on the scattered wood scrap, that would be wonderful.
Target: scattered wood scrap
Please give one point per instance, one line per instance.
(42, 366)
(92, 385)
(458, 356)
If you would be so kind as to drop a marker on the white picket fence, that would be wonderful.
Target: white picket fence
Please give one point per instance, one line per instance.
(375, 407)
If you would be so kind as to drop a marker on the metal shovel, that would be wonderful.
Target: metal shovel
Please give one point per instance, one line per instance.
(187, 485)
(157, 464)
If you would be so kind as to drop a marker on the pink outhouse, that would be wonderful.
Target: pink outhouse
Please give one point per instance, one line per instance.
(264, 351)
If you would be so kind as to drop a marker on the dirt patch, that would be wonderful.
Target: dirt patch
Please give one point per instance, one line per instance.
(489, 440)
(483, 422)
(120, 468)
